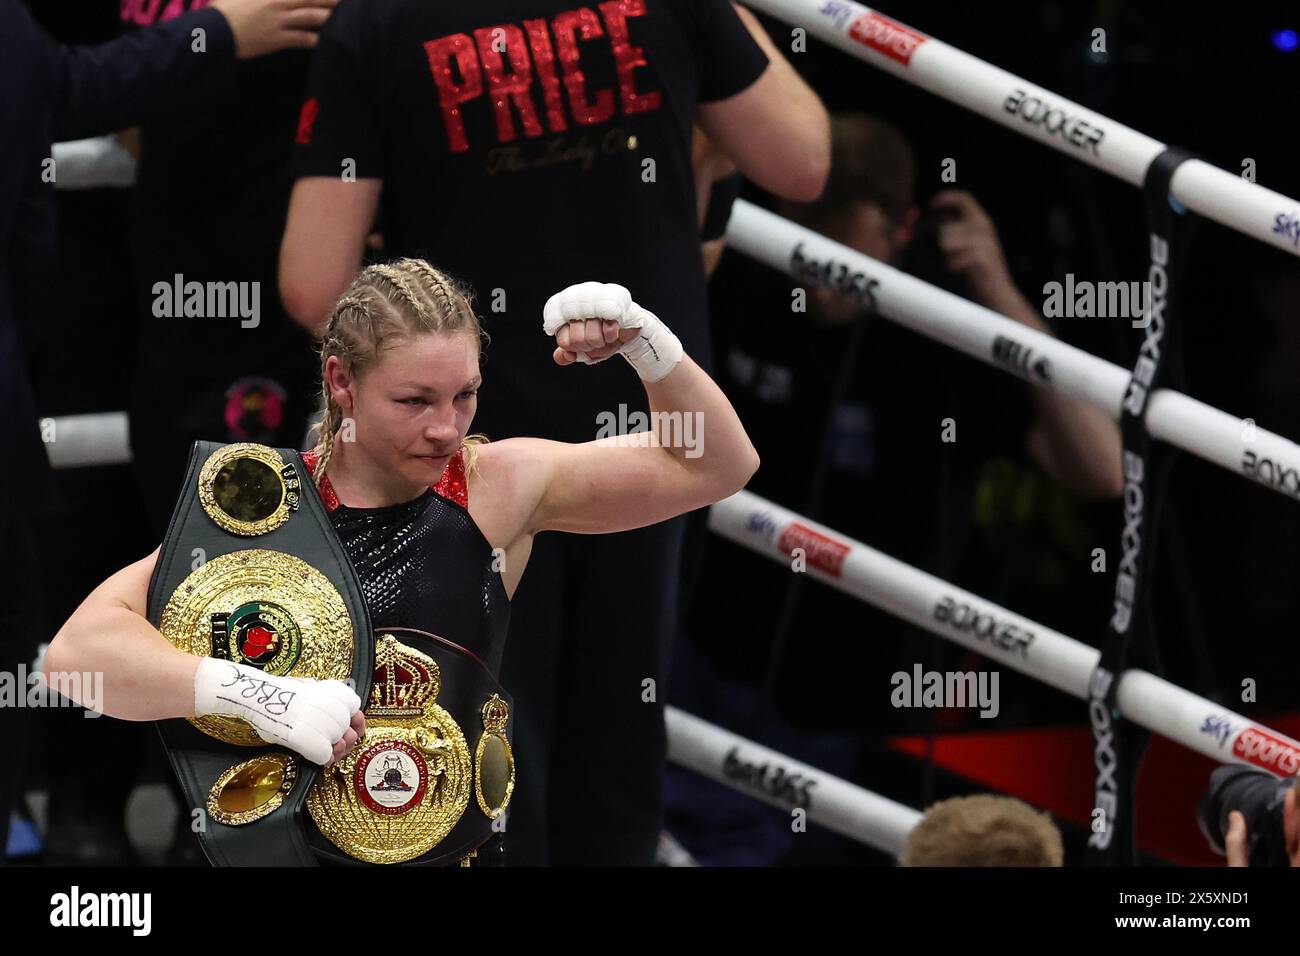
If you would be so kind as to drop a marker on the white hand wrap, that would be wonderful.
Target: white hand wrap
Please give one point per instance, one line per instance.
(305, 715)
(653, 353)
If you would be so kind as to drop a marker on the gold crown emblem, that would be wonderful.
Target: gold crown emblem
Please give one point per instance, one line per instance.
(495, 714)
(405, 680)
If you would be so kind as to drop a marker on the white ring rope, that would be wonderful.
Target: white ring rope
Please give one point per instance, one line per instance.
(784, 782)
(98, 163)
(1001, 635)
(1232, 443)
(77, 441)
(1039, 114)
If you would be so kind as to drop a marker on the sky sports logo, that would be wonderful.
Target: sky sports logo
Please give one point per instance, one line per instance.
(1288, 227)
(821, 551)
(1274, 754)
(886, 36)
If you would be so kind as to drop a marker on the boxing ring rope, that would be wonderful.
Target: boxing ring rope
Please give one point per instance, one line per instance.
(98, 163)
(783, 782)
(1205, 431)
(1038, 113)
(76, 441)
(1001, 635)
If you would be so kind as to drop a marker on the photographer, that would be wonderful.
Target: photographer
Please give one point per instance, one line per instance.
(1251, 817)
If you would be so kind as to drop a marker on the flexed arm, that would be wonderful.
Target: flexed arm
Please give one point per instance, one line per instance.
(695, 453)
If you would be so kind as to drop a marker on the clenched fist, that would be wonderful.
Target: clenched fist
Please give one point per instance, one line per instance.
(593, 320)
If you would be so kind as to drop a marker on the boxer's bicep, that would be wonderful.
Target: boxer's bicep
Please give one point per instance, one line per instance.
(614, 484)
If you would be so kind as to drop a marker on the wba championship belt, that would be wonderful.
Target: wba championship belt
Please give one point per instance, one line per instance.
(251, 571)
(435, 769)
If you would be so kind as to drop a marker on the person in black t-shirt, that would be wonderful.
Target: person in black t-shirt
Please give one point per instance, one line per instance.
(60, 93)
(208, 207)
(521, 145)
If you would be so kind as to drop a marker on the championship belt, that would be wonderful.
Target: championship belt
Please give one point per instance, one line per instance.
(251, 571)
(435, 768)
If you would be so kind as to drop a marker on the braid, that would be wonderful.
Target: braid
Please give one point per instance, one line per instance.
(326, 446)
(333, 343)
(453, 301)
(436, 281)
(325, 430)
(399, 281)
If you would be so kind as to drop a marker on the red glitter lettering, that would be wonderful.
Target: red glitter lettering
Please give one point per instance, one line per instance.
(505, 87)
(544, 59)
(566, 24)
(628, 57)
(441, 53)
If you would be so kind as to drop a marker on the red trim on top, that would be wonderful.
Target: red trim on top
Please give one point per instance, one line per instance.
(451, 485)
(309, 459)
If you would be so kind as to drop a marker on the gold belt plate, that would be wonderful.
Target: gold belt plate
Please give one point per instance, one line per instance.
(266, 609)
(248, 489)
(396, 796)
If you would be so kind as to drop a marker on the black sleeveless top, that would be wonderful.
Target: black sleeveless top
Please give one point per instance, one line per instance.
(425, 564)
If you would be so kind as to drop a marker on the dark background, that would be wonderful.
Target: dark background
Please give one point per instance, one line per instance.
(1210, 80)
(1206, 78)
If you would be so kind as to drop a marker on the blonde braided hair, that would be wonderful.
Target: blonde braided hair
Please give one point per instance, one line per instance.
(406, 297)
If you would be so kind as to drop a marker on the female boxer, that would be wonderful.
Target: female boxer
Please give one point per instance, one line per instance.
(407, 486)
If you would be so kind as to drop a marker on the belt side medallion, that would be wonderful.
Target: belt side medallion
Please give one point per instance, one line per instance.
(252, 789)
(494, 761)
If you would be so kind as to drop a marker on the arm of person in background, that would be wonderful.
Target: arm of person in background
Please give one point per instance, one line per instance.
(716, 185)
(337, 164)
(711, 250)
(325, 236)
(106, 87)
(776, 130)
(1077, 444)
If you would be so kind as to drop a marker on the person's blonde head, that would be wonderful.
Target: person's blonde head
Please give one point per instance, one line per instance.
(984, 830)
(384, 305)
